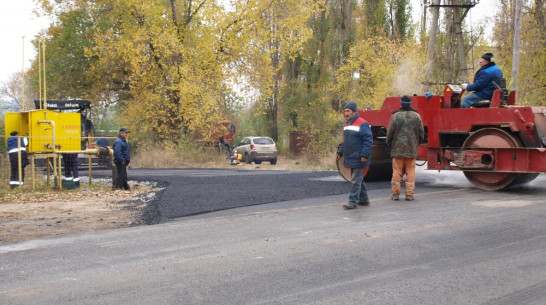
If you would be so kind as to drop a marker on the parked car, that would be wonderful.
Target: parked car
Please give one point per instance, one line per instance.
(257, 149)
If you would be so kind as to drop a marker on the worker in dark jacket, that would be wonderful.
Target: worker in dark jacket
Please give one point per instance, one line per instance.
(356, 150)
(483, 82)
(71, 175)
(404, 135)
(15, 145)
(102, 141)
(122, 158)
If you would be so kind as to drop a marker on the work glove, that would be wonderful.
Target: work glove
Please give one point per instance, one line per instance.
(339, 152)
(464, 86)
(428, 94)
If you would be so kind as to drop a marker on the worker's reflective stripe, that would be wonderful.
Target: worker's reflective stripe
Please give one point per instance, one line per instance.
(352, 127)
(15, 183)
(68, 178)
(76, 179)
(410, 187)
(395, 183)
(16, 150)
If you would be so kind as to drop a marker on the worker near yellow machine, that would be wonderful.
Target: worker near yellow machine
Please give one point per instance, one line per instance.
(16, 144)
(71, 174)
(483, 82)
(355, 150)
(404, 134)
(102, 141)
(122, 158)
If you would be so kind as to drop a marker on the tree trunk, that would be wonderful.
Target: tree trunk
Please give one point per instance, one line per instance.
(516, 50)
(432, 40)
(450, 54)
(460, 46)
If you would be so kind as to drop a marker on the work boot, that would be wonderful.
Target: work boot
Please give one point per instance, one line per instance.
(409, 197)
(349, 206)
(365, 203)
(395, 197)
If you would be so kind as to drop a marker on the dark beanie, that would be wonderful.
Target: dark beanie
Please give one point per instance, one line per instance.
(405, 101)
(14, 133)
(487, 56)
(351, 105)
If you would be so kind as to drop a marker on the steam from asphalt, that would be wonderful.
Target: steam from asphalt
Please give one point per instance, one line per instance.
(446, 178)
(409, 77)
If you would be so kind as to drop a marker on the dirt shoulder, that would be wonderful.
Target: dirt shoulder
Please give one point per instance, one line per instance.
(29, 215)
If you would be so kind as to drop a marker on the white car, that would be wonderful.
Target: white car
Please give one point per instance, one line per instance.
(257, 149)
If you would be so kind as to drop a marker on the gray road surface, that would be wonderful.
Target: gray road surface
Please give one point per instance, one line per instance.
(453, 245)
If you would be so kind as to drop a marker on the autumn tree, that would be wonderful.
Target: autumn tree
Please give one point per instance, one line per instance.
(11, 94)
(531, 88)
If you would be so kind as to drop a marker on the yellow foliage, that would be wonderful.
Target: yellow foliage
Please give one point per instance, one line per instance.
(379, 67)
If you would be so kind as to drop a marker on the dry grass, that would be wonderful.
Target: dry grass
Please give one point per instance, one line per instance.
(153, 157)
(6, 169)
(45, 192)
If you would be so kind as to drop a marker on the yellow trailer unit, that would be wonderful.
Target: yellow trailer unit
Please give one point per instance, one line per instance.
(48, 131)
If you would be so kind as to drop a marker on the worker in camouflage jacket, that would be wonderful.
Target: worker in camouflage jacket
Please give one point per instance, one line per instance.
(404, 135)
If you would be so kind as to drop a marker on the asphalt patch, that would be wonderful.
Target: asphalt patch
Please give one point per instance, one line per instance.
(199, 191)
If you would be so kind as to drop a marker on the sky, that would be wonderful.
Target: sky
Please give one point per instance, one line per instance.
(17, 20)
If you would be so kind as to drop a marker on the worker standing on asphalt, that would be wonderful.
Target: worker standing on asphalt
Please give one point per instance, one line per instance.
(355, 150)
(122, 158)
(15, 145)
(404, 135)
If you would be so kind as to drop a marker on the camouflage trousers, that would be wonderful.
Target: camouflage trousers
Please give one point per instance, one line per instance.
(401, 166)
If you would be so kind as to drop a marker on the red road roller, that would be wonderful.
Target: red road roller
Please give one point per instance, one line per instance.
(497, 144)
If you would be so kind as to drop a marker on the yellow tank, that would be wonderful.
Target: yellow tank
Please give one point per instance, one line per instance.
(47, 130)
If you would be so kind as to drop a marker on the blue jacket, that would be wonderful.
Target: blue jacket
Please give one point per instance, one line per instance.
(483, 86)
(12, 144)
(357, 142)
(103, 142)
(121, 151)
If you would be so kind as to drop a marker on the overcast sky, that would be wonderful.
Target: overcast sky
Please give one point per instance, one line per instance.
(17, 20)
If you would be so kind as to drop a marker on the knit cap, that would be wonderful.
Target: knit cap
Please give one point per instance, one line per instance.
(405, 101)
(487, 56)
(351, 105)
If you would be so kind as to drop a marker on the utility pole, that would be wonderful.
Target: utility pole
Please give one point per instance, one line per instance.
(23, 77)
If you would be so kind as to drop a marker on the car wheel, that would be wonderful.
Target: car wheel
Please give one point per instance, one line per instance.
(258, 162)
(273, 161)
(247, 159)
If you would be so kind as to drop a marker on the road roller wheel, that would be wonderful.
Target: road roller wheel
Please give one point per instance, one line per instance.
(380, 168)
(492, 181)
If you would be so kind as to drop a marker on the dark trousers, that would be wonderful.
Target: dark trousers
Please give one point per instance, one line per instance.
(122, 176)
(13, 160)
(71, 168)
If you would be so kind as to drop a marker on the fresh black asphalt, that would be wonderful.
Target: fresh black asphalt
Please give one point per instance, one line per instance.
(187, 192)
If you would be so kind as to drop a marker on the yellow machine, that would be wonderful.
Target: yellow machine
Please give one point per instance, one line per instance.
(48, 131)
(51, 133)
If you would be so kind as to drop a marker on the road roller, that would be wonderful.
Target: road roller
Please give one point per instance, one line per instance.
(496, 144)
